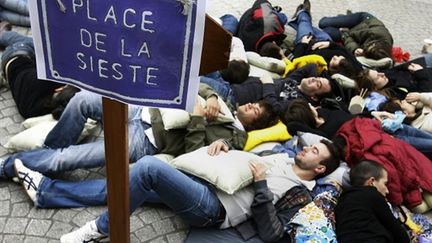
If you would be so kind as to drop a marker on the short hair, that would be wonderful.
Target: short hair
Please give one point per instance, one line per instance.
(236, 72)
(270, 49)
(364, 170)
(331, 163)
(268, 117)
(299, 111)
(378, 50)
(345, 68)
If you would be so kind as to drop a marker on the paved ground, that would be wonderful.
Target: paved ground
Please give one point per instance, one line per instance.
(408, 20)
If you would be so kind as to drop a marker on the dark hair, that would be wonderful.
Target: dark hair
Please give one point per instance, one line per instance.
(61, 99)
(236, 72)
(364, 81)
(378, 50)
(270, 49)
(268, 117)
(299, 111)
(345, 68)
(364, 170)
(331, 163)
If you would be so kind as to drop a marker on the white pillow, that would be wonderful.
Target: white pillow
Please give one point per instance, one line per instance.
(37, 130)
(176, 118)
(30, 138)
(263, 147)
(260, 72)
(309, 139)
(228, 171)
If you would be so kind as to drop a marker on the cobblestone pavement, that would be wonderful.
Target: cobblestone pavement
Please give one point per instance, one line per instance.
(408, 20)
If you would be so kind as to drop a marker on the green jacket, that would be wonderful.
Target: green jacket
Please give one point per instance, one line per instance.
(199, 132)
(366, 33)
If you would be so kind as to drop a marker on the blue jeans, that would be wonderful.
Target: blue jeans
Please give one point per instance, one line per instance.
(221, 87)
(150, 180)
(18, 6)
(428, 59)
(303, 25)
(14, 17)
(90, 155)
(230, 23)
(419, 139)
(331, 25)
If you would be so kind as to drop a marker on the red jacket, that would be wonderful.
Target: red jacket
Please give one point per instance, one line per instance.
(408, 169)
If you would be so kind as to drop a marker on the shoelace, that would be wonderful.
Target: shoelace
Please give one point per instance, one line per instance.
(25, 178)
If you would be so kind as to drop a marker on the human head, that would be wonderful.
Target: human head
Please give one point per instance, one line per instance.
(258, 115)
(271, 49)
(61, 98)
(299, 110)
(315, 87)
(321, 158)
(378, 50)
(339, 64)
(236, 72)
(371, 80)
(369, 173)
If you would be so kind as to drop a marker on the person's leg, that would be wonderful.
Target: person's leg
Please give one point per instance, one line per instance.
(221, 87)
(18, 6)
(83, 105)
(12, 37)
(154, 180)
(419, 139)
(331, 25)
(230, 23)
(14, 18)
(428, 59)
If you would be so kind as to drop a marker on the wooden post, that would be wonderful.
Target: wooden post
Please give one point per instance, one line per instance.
(115, 118)
(216, 48)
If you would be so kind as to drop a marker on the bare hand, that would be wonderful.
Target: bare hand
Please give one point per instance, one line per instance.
(216, 147)
(258, 170)
(414, 67)
(359, 52)
(381, 115)
(321, 45)
(306, 39)
(413, 97)
(212, 109)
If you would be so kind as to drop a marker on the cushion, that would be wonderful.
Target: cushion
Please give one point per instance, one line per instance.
(264, 147)
(228, 171)
(276, 133)
(260, 72)
(176, 118)
(37, 129)
(309, 139)
(267, 63)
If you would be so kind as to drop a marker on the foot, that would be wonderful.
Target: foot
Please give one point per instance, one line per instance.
(298, 9)
(88, 233)
(307, 5)
(29, 179)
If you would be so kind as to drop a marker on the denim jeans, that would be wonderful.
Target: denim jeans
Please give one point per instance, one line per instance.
(303, 25)
(230, 23)
(90, 155)
(221, 87)
(150, 180)
(331, 25)
(428, 59)
(419, 139)
(18, 6)
(14, 17)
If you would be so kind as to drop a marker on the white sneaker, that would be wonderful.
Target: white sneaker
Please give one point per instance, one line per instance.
(29, 179)
(87, 233)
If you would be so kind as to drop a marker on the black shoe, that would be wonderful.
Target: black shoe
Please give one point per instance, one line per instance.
(298, 9)
(307, 5)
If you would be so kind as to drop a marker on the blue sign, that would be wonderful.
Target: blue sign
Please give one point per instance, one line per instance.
(140, 52)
